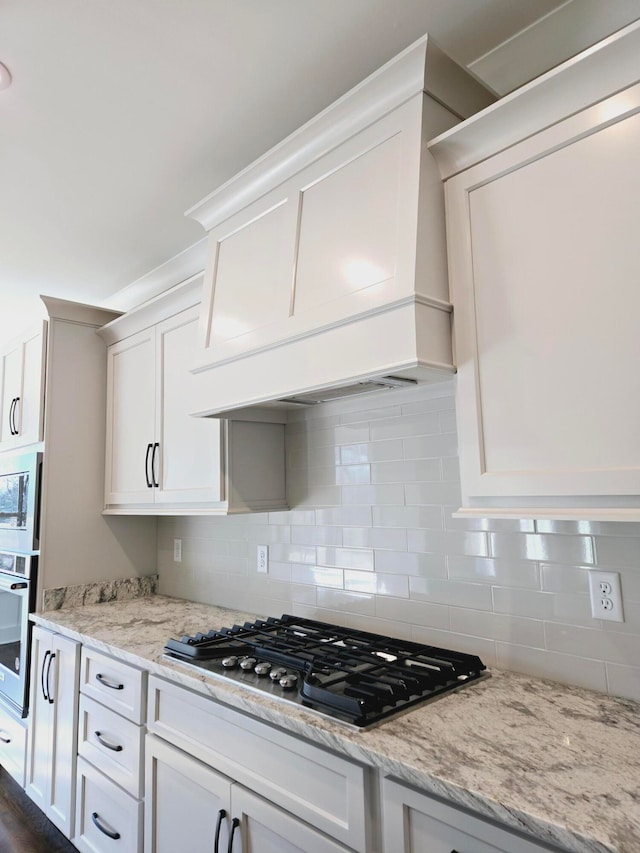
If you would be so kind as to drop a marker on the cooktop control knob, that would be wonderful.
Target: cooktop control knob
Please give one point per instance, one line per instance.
(263, 668)
(277, 672)
(288, 681)
(247, 663)
(230, 662)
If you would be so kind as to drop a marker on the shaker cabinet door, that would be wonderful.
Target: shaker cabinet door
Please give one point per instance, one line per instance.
(187, 803)
(131, 413)
(22, 373)
(544, 265)
(189, 458)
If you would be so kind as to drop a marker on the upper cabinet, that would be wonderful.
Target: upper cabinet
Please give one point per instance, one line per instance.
(22, 376)
(327, 257)
(542, 209)
(159, 459)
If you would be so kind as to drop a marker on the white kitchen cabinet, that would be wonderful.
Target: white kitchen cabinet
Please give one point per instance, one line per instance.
(184, 792)
(22, 376)
(13, 745)
(544, 263)
(53, 727)
(159, 459)
(285, 788)
(109, 807)
(416, 823)
(327, 256)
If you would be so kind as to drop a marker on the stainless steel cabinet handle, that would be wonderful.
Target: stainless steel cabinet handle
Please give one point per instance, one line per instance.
(4, 736)
(110, 833)
(107, 683)
(114, 746)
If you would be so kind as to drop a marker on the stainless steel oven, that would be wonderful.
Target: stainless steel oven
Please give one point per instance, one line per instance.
(17, 599)
(20, 501)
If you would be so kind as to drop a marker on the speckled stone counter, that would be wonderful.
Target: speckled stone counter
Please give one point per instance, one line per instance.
(560, 763)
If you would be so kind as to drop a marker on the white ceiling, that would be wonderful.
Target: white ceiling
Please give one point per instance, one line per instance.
(124, 113)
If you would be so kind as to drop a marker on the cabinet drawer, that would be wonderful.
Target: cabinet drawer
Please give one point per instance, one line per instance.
(100, 803)
(321, 788)
(111, 743)
(13, 746)
(118, 685)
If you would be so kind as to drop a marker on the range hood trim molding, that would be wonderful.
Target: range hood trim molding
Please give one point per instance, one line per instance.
(202, 362)
(421, 67)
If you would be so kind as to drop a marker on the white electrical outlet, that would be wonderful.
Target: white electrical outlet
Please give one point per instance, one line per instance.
(262, 564)
(606, 596)
(177, 550)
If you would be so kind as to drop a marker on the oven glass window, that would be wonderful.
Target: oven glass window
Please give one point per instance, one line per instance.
(14, 490)
(11, 616)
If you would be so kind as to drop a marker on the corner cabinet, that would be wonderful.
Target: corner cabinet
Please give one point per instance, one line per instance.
(160, 459)
(22, 375)
(542, 197)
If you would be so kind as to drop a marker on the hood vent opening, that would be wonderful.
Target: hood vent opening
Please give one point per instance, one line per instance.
(326, 395)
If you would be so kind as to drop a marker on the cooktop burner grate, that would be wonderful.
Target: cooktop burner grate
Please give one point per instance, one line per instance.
(355, 676)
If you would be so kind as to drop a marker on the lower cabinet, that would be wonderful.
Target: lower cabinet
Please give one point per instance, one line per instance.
(53, 727)
(13, 745)
(415, 823)
(220, 814)
(111, 731)
(107, 818)
(277, 792)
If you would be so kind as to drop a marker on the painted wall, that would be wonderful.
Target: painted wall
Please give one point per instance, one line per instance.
(370, 542)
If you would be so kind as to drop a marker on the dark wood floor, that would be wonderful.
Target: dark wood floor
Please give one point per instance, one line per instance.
(23, 827)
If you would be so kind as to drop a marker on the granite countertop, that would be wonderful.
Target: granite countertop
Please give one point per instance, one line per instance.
(561, 763)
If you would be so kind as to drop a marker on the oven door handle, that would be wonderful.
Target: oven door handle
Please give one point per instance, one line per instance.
(11, 585)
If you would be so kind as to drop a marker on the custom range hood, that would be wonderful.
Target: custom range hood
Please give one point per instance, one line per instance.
(327, 268)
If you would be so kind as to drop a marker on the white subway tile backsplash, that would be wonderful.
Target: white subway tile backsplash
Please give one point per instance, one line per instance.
(317, 575)
(416, 565)
(344, 600)
(427, 447)
(623, 680)
(371, 543)
(347, 475)
(419, 424)
(552, 549)
(355, 516)
(346, 558)
(454, 593)
(413, 612)
(571, 669)
(518, 573)
(620, 551)
(377, 451)
(429, 517)
(498, 626)
(413, 471)
(448, 542)
(420, 494)
(563, 607)
(378, 583)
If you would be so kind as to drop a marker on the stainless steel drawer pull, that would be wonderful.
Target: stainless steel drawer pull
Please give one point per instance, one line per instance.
(95, 817)
(4, 736)
(107, 683)
(114, 746)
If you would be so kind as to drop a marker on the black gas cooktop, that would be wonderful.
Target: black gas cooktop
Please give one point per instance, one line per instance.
(352, 676)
